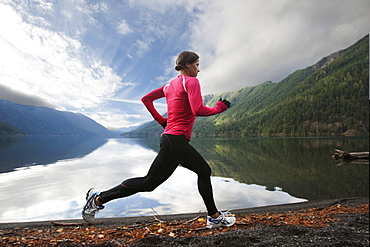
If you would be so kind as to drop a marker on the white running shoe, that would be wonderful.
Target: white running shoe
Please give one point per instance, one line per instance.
(90, 208)
(224, 219)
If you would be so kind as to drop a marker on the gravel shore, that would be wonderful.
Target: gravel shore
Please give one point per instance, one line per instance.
(339, 222)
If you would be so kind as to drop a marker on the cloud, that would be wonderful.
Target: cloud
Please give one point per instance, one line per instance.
(249, 42)
(115, 120)
(162, 6)
(125, 100)
(116, 113)
(99, 7)
(123, 28)
(51, 65)
(23, 98)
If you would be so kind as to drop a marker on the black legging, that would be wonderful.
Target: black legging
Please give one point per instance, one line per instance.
(174, 150)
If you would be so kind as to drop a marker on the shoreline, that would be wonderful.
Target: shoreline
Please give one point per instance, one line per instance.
(343, 228)
(279, 208)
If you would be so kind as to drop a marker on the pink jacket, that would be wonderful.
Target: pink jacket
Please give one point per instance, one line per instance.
(184, 103)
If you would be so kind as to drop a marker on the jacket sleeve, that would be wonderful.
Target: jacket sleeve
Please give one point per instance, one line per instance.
(196, 101)
(148, 102)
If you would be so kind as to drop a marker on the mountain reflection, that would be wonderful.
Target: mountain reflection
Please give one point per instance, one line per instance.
(21, 152)
(303, 167)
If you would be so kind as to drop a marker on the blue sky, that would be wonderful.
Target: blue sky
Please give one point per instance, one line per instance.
(100, 57)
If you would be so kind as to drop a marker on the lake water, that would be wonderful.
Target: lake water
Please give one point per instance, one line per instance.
(47, 178)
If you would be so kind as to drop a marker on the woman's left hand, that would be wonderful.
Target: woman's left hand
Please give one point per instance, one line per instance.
(226, 102)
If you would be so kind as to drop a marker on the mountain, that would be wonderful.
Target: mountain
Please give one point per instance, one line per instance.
(330, 97)
(8, 130)
(43, 121)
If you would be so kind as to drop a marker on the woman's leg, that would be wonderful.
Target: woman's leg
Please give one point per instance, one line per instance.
(172, 149)
(196, 163)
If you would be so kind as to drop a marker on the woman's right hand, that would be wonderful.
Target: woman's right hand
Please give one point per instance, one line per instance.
(164, 124)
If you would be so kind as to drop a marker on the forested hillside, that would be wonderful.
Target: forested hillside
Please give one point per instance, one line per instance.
(328, 98)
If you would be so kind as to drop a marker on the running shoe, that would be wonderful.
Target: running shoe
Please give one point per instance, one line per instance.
(90, 208)
(224, 219)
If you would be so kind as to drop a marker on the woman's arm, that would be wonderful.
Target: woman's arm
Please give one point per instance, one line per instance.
(148, 102)
(196, 101)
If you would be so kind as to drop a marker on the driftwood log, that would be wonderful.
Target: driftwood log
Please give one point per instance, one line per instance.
(344, 155)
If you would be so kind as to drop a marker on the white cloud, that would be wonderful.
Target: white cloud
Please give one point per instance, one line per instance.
(43, 5)
(117, 113)
(150, 28)
(113, 120)
(161, 6)
(123, 28)
(125, 100)
(100, 7)
(249, 42)
(51, 65)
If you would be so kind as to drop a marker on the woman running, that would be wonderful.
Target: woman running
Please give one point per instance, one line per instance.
(184, 103)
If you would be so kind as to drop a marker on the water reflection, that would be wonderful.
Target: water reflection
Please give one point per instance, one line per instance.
(248, 173)
(21, 152)
(303, 167)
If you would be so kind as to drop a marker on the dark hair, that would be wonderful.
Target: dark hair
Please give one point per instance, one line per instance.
(184, 58)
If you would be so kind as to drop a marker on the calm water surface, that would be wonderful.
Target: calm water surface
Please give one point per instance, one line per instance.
(47, 178)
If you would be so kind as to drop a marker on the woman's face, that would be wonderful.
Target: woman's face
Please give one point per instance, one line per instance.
(193, 69)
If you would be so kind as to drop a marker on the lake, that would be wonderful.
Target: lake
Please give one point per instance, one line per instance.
(47, 178)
